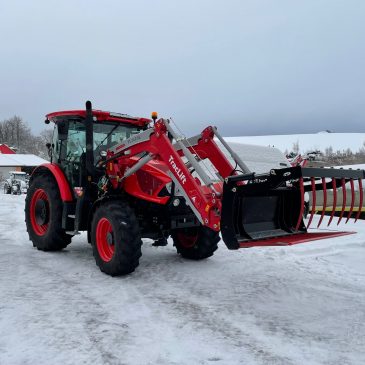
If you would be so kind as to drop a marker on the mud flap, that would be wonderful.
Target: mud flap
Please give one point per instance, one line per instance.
(267, 209)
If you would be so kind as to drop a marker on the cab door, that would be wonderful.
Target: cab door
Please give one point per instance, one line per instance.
(68, 149)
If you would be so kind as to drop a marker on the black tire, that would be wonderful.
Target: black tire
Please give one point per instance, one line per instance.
(7, 189)
(115, 238)
(196, 243)
(48, 236)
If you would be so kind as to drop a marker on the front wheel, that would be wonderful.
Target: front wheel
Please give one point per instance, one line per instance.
(115, 238)
(196, 243)
(43, 215)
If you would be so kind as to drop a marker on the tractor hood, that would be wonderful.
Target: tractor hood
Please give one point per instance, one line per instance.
(152, 183)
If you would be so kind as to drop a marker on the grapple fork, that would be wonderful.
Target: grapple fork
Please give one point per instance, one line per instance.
(267, 209)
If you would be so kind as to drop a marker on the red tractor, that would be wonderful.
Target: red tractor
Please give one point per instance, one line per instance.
(121, 178)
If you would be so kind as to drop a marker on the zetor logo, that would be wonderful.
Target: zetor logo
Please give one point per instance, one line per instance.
(178, 171)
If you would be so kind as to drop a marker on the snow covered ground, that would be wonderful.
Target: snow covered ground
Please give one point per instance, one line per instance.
(307, 142)
(287, 305)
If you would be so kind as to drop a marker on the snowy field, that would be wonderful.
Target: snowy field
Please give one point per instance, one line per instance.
(298, 305)
(307, 142)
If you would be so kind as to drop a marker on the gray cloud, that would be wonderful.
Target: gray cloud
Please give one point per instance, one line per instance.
(250, 67)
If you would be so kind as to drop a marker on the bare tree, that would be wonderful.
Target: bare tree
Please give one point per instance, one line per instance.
(329, 151)
(16, 133)
(296, 147)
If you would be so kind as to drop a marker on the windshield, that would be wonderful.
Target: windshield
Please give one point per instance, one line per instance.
(19, 176)
(109, 135)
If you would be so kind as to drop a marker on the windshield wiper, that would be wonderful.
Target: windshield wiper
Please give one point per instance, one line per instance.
(107, 136)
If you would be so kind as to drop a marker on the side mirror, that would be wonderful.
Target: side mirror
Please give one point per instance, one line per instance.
(103, 154)
(49, 148)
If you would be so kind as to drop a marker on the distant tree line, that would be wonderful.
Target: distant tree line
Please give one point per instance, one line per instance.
(345, 156)
(331, 157)
(17, 134)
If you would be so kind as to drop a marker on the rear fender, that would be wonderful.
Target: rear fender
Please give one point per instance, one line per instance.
(58, 174)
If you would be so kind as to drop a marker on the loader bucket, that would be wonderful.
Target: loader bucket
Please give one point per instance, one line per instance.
(267, 209)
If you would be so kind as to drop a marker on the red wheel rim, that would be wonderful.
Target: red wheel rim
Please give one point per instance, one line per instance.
(105, 239)
(188, 239)
(39, 212)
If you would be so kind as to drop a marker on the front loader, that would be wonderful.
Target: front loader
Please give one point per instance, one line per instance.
(121, 179)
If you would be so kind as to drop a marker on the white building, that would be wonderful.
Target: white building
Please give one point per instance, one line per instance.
(18, 162)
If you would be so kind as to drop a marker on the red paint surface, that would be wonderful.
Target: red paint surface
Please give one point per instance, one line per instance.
(60, 177)
(294, 239)
(100, 115)
(6, 150)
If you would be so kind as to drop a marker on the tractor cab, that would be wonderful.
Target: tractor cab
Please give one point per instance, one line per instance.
(74, 132)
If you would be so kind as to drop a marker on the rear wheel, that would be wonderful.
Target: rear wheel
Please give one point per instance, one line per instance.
(115, 238)
(195, 243)
(7, 189)
(43, 215)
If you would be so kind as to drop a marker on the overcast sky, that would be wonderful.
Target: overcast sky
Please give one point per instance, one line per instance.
(249, 67)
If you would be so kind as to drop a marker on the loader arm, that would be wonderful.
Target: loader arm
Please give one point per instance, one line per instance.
(205, 147)
(249, 209)
(201, 195)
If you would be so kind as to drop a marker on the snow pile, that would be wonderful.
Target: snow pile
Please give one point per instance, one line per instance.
(21, 160)
(259, 159)
(307, 142)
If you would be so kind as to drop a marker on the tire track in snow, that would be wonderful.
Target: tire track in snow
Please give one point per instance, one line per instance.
(197, 312)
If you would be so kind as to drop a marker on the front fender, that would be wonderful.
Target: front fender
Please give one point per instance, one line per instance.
(58, 174)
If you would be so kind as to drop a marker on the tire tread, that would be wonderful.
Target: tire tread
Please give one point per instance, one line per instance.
(56, 238)
(128, 251)
(206, 245)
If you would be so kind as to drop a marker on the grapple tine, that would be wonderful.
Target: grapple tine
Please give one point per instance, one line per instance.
(361, 200)
(334, 200)
(300, 217)
(343, 183)
(352, 199)
(324, 189)
(313, 184)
